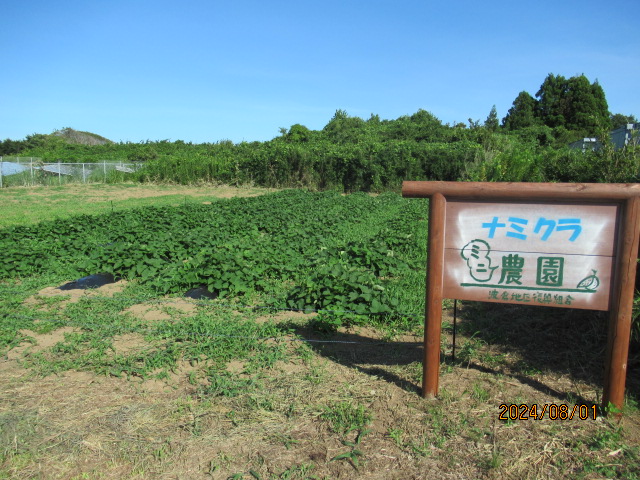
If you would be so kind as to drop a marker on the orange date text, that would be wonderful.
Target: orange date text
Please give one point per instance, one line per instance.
(552, 411)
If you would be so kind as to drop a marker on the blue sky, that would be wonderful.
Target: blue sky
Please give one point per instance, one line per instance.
(204, 71)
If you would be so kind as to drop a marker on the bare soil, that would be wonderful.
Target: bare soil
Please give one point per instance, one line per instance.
(102, 193)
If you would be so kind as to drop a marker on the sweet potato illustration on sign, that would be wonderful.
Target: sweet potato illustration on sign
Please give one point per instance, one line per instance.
(590, 283)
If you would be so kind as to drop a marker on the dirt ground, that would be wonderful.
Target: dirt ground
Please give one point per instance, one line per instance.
(77, 424)
(103, 192)
(28, 205)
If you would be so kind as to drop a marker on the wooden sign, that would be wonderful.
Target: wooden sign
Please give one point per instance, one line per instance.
(561, 245)
(558, 255)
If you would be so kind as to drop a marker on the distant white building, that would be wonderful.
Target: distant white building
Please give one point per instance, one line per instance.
(586, 144)
(620, 137)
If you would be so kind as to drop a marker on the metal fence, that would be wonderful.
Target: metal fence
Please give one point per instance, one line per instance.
(27, 171)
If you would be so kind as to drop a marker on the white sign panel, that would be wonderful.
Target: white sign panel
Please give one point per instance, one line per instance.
(558, 255)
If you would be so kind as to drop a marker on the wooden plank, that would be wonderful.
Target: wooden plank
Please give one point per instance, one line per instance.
(505, 190)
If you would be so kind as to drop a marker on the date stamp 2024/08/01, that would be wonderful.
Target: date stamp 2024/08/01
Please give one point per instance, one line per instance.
(551, 411)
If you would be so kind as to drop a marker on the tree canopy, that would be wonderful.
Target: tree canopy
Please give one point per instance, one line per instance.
(574, 104)
(522, 114)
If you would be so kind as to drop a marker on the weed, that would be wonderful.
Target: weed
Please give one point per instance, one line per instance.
(479, 393)
(442, 426)
(344, 417)
(233, 416)
(297, 472)
(470, 349)
(609, 439)
(621, 459)
(397, 435)
(261, 402)
(422, 448)
(494, 461)
(415, 372)
(527, 369)
(286, 440)
(226, 384)
(221, 461)
(304, 351)
(353, 454)
(317, 374)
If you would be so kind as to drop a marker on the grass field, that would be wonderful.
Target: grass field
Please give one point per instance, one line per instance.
(119, 380)
(27, 205)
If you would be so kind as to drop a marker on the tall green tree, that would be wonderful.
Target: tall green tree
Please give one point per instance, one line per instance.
(522, 114)
(298, 133)
(602, 106)
(552, 101)
(491, 123)
(586, 106)
(574, 103)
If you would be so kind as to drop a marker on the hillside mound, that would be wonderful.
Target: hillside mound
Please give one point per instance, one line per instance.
(82, 138)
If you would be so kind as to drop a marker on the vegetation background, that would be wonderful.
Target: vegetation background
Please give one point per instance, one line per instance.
(374, 155)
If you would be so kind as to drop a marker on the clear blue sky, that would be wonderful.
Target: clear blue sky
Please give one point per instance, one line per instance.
(204, 71)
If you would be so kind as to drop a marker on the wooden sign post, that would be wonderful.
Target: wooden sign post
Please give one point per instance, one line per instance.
(559, 245)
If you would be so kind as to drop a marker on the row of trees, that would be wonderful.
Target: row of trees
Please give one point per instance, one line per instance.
(573, 103)
(351, 153)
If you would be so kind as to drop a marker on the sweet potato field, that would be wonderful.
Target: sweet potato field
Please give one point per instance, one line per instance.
(280, 337)
(292, 249)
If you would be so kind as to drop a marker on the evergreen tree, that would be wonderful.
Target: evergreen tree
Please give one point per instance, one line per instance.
(491, 123)
(522, 113)
(602, 107)
(586, 106)
(552, 101)
(574, 103)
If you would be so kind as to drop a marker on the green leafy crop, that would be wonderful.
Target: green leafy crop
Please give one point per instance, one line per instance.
(296, 249)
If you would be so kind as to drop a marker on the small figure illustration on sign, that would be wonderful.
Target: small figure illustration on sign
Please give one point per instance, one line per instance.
(591, 282)
(476, 253)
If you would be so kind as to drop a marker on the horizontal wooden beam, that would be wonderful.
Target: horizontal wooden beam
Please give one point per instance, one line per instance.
(522, 190)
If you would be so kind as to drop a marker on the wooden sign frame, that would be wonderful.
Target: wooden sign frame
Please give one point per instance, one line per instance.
(622, 285)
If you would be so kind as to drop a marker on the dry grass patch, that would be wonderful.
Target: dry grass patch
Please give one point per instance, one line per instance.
(72, 292)
(162, 310)
(287, 316)
(38, 342)
(128, 343)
